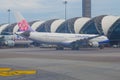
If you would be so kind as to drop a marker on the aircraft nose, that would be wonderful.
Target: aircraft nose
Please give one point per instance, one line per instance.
(106, 39)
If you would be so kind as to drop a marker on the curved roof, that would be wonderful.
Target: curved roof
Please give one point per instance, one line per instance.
(98, 23)
(32, 22)
(36, 24)
(55, 25)
(15, 28)
(93, 26)
(79, 23)
(2, 27)
(10, 28)
(89, 28)
(114, 31)
(104, 24)
(107, 22)
(45, 27)
(67, 26)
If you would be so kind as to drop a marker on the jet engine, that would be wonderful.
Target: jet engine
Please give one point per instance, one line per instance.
(9, 43)
(94, 44)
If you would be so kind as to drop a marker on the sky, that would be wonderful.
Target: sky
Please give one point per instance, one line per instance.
(54, 9)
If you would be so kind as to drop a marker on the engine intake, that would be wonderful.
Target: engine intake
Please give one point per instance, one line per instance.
(9, 43)
(94, 44)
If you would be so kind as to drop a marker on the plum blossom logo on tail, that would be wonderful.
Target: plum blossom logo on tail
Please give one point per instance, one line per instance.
(23, 25)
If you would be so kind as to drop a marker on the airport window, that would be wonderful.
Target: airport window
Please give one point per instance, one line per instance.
(116, 33)
(41, 28)
(63, 29)
(90, 29)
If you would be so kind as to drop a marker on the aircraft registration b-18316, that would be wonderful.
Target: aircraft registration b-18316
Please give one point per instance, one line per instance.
(61, 40)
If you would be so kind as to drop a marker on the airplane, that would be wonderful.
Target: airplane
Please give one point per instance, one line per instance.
(19, 40)
(7, 39)
(61, 40)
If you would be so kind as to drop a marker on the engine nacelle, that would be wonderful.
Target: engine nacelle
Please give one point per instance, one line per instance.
(9, 43)
(94, 44)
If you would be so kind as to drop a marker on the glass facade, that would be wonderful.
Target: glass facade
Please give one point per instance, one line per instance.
(45, 27)
(89, 28)
(98, 23)
(67, 26)
(9, 28)
(94, 26)
(114, 32)
(30, 23)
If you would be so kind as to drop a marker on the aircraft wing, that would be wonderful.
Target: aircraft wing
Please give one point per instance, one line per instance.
(93, 37)
(82, 42)
(86, 39)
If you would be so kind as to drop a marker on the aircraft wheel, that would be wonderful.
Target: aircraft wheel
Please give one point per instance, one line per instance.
(101, 46)
(75, 48)
(59, 48)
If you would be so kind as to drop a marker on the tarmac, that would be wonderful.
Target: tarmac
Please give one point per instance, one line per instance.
(51, 64)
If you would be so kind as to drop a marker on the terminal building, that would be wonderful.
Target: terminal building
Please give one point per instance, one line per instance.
(102, 25)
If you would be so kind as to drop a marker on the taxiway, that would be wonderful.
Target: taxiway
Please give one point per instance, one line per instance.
(85, 64)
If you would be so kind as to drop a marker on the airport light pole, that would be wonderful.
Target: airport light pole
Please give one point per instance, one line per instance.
(65, 2)
(9, 16)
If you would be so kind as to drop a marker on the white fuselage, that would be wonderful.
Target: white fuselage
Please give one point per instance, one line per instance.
(63, 38)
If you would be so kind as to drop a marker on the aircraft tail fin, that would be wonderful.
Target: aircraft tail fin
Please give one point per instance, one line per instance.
(22, 23)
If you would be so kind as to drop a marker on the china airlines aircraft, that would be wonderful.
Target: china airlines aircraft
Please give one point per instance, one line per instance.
(61, 40)
(10, 40)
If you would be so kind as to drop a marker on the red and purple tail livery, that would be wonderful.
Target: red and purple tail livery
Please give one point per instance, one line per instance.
(23, 25)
